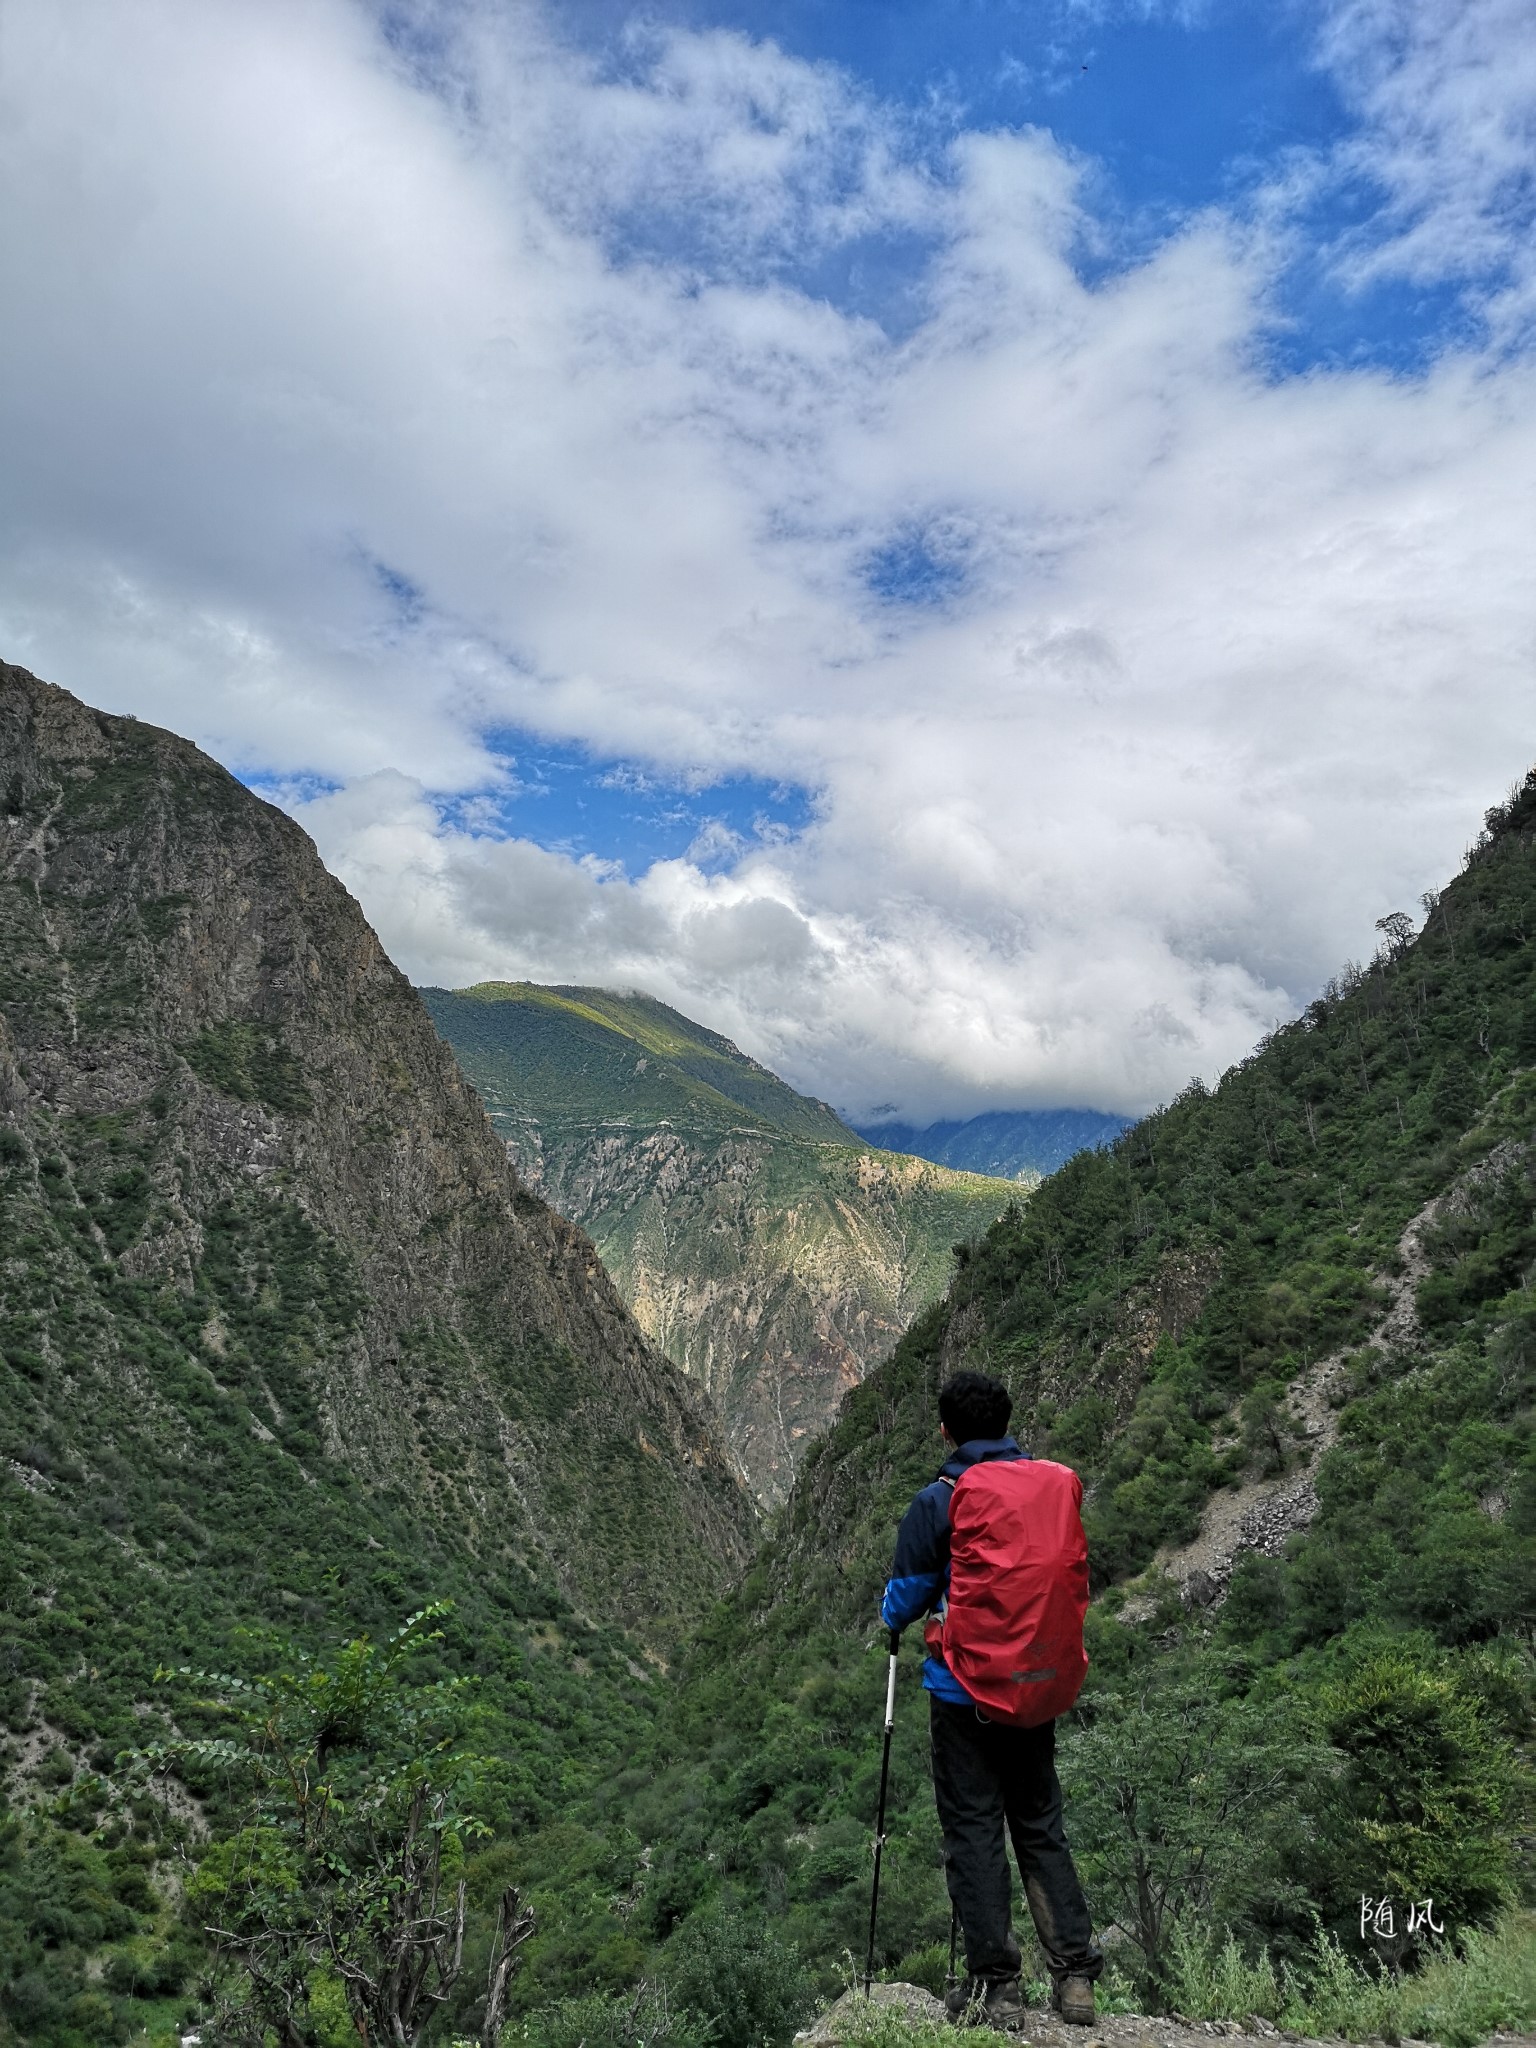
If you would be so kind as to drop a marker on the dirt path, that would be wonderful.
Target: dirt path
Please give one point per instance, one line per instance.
(1135, 2030)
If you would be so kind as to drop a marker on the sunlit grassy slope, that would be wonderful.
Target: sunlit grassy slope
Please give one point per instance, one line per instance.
(765, 1246)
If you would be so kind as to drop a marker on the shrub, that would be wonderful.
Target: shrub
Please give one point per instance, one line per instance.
(1428, 1783)
(643, 2018)
(736, 1975)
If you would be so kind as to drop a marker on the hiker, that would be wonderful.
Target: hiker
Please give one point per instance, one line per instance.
(993, 1553)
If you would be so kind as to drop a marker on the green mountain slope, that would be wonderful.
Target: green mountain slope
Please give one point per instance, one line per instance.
(758, 1241)
(1287, 1330)
(591, 1052)
(284, 1344)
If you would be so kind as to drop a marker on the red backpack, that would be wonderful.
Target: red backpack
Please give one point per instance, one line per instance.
(1018, 1588)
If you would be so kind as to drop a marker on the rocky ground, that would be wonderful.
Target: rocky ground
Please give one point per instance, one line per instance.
(1264, 1514)
(1044, 2030)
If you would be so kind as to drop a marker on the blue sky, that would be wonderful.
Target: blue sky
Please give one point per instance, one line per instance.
(1171, 108)
(622, 812)
(974, 548)
(1173, 102)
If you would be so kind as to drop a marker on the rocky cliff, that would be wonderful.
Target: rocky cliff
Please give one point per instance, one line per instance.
(759, 1242)
(257, 1228)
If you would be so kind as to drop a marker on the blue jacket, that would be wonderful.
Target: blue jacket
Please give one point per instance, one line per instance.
(919, 1578)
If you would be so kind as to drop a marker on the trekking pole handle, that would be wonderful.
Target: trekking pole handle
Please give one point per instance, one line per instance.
(890, 1683)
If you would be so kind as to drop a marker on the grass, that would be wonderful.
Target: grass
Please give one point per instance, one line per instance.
(1457, 1998)
(643, 2018)
(869, 2025)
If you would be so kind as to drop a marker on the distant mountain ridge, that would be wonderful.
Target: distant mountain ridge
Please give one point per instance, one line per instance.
(1012, 1144)
(599, 1051)
(758, 1240)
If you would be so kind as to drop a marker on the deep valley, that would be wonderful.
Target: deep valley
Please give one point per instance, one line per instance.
(758, 1241)
(291, 1349)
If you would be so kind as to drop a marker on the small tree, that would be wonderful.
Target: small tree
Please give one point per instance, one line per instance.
(1176, 1797)
(349, 1860)
(1429, 1784)
(1268, 1429)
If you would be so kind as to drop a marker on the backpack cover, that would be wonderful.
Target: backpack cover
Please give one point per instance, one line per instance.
(1018, 1588)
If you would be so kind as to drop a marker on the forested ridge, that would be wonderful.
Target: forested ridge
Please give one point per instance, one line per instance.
(1347, 1714)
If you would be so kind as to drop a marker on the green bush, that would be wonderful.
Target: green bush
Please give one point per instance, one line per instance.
(1428, 1786)
(643, 2018)
(735, 1973)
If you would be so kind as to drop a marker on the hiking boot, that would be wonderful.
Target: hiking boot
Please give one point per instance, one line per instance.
(1072, 1997)
(985, 2002)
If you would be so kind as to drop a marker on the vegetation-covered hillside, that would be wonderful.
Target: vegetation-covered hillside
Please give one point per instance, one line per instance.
(285, 1348)
(288, 1351)
(1286, 1329)
(758, 1241)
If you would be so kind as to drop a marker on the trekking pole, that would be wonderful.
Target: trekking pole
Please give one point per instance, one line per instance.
(885, 1773)
(954, 1941)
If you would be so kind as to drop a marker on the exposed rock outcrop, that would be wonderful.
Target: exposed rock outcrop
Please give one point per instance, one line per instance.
(207, 1060)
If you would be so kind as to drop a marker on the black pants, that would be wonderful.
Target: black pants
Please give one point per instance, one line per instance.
(986, 1774)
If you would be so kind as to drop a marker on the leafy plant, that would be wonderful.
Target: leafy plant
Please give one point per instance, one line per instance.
(1179, 1805)
(747, 1985)
(642, 2018)
(1461, 1995)
(350, 1858)
(1428, 1782)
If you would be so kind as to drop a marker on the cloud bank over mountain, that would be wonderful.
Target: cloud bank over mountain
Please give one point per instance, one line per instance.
(390, 393)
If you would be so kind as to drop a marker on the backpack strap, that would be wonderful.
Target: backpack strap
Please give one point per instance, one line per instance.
(933, 1629)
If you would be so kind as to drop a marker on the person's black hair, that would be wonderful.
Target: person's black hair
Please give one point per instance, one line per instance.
(973, 1405)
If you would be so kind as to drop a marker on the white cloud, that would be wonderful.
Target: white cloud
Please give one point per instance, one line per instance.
(1448, 100)
(362, 401)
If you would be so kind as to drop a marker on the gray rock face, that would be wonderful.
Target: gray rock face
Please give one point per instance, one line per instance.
(202, 1047)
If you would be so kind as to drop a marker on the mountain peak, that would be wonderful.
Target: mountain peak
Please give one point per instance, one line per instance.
(757, 1237)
